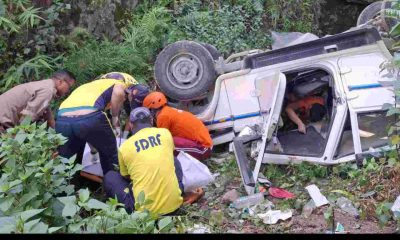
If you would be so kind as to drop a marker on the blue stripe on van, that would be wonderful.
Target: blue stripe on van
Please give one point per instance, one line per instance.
(364, 86)
(233, 118)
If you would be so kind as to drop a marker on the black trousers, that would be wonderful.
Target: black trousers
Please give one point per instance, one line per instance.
(93, 128)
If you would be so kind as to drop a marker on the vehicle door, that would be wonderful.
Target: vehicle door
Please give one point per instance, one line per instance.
(252, 96)
(269, 91)
(367, 88)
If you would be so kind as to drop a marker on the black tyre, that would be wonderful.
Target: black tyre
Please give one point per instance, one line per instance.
(212, 50)
(371, 11)
(184, 70)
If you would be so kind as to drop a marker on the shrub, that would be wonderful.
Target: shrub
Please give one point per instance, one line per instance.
(142, 38)
(36, 195)
(230, 28)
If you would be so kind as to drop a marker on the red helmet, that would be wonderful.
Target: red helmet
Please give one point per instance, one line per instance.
(154, 100)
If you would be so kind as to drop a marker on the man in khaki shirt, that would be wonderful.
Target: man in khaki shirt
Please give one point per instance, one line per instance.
(33, 99)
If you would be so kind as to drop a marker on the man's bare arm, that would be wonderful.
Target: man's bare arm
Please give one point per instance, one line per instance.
(290, 110)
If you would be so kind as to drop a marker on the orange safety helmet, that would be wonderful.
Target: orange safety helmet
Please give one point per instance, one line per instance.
(154, 100)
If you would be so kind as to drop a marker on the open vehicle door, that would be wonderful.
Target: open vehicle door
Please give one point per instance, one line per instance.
(367, 91)
(270, 90)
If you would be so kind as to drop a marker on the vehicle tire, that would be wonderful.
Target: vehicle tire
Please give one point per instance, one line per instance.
(212, 50)
(371, 11)
(184, 70)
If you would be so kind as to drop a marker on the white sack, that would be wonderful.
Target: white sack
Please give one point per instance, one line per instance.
(195, 173)
(94, 167)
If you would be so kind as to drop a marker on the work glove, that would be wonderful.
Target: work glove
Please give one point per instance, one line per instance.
(117, 131)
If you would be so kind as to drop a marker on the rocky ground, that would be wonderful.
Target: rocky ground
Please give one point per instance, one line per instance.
(371, 191)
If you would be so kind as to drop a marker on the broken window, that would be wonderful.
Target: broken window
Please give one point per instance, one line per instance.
(373, 128)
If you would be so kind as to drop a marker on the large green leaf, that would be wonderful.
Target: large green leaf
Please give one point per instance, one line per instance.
(39, 228)
(26, 215)
(164, 223)
(70, 210)
(28, 196)
(29, 225)
(70, 207)
(395, 30)
(54, 229)
(95, 204)
(21, 136)
(84, 195)
(6, 203)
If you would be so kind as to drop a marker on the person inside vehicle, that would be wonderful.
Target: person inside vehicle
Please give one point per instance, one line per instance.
(189, 133)
(33, 99)
(82, 118)
(310, 109)
(147, 164)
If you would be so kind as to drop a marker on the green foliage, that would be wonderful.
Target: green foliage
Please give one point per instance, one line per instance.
(36, 195)
(142, 39)
(28, 41)
(96, 58)
(230, 28)
(308, 172)
(31, 175)
(34, 68)
(383, 212)
(290, 16)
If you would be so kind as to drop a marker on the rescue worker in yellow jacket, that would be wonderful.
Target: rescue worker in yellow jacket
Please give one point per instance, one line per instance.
(147, 164)
(82, 118)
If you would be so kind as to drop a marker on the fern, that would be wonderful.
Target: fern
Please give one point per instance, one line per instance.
(34, 68)
(144, 35)
(30, 16)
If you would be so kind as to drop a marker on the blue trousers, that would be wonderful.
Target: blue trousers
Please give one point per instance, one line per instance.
(93, 128)
(115, 184)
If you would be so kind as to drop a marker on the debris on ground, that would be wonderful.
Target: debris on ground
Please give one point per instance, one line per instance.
(308, 209)
(247, 131)
(316, 195)
(230, 196)
(198, 228)
(248, 201)
(280, 193)
(218, 161)
(265, 205)
(339, 228)
(273, 216)
(346, 205)
(345, 181)
(396, 205)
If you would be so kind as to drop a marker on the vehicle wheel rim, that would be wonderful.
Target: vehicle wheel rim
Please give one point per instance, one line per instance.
(184, 71)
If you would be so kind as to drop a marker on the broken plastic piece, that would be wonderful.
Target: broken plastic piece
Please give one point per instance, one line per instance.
(273, 216)
(396, 205)
(247, 131)
(280, 193)
(248, 201)
(339, 228)
(316, 195)
(346, 205)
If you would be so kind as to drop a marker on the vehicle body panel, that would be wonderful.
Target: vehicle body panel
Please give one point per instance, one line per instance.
(356, 76)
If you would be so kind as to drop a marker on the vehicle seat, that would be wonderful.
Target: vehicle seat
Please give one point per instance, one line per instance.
(309, 83)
